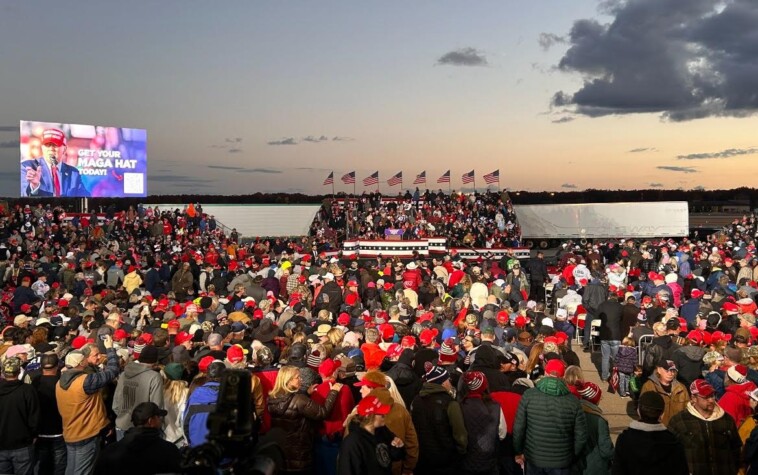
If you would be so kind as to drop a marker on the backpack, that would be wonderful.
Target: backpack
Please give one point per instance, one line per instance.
(200, 404)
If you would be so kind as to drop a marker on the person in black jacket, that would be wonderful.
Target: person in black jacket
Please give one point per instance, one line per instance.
(50, 448)
(142, 450)
(370, 447)
(407, 381)
(609, 313)
(19, 418)
(538, 276)
(646, 447)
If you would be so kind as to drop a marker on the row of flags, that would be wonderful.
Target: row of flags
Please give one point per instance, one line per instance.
(397, 179)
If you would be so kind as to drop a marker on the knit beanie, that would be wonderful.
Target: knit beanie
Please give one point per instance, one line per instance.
(737, 373)
(590, 392)
(435, 374)
(475, 381)
(448, 355)
(314, 359)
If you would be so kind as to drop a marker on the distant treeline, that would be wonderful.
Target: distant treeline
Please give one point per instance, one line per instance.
(700, 200)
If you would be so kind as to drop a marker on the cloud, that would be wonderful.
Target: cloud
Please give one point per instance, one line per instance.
(342, 139)
(682, 59)
(642, 149)
(8, 128)
(463, 57)
(9, 144)
(563, 120)
(732, 152)
(569, 186)
(235, 150)
(225, 167)
(655, 185)
(260, 170)
(284, 141)
(231, 144)
(233, 140)
(699, 188)
(312, 139)
(178, 179)
(547, 40)
(677, 169)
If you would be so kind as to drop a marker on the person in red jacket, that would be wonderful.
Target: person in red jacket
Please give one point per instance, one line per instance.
(736, 398)
(330, 429)
(411, 277)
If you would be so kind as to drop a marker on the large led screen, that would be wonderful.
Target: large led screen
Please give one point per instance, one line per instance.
(74, 160)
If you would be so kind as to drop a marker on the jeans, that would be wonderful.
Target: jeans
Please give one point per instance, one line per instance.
(81, 456)
(609, 349)
(624, 383)
(534, 470)
(50, 455)
(17, 461)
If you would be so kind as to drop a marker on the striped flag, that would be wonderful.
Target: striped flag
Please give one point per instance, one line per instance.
(444, 178)
(468, 177)
(420, 178)
(372, 179)
(348, 178)
(330, 179)
(493, 177)
(396, 180)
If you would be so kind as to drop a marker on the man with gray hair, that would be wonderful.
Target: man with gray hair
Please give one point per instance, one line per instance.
(113, 322)
(214, 346)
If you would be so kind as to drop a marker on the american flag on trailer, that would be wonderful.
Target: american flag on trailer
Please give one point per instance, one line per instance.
(445, 178)
(396, 180)
(493, 177)
(348, 178)
(372, 179)
(420, 178)
(468, 177)
(330, 179)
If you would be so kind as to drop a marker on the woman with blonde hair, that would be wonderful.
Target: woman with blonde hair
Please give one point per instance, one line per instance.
(295, 413)
(534, 363)
(334, 339)
(175, 392)
(574, 379)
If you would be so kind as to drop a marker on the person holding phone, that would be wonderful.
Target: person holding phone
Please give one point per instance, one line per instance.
(49, 175)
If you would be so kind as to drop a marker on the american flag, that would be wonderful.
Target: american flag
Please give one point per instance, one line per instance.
(444, 178)
(330, 179)
(396, 180)
(372, 179)
(468, 177)
(420, 178)
(348, 178)
(493, 177)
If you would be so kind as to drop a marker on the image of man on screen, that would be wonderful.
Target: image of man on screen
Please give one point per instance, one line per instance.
(49, 175)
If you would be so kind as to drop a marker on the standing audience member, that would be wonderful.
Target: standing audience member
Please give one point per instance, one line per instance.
(19, 420)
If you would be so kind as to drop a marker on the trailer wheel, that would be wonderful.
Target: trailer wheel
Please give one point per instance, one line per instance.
(544, 244)
(529, 244)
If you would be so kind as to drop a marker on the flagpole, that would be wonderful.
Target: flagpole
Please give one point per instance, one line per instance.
(332, 183)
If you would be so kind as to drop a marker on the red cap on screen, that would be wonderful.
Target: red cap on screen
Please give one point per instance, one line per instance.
(54, 137)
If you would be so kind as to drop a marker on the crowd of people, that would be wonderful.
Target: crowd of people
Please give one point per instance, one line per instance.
(119, 334)
(481, 220)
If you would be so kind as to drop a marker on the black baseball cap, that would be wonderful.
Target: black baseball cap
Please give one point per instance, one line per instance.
(144, 411)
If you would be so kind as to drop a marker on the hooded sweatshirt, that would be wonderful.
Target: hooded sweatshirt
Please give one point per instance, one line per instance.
(137, 384)
(736, 401)
(19, 414)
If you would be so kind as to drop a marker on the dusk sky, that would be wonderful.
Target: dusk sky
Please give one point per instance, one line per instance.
(246, 96)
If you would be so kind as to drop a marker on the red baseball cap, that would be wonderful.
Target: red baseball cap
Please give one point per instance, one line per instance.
(204, 363)
(700, 387)
(371, 405)
(394, 350)
(696, 336)
(235, 354)
(182, 337)
(427, 336)
(502, 317)
(555, 367)
(409, 341)
(388, 331)
(78, 342)
(174, 324)
(53, 137)
(120, 334)
(343, 319)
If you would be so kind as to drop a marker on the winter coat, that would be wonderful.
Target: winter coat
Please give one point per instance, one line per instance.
(142, 450)
(483, 419)
(662, 348)
(609, 313)
(295, 415)
(19, 414)
(689, 361)
(649, 449)
(487, 362)
(626, 359)
(689, 311)
(442, 435)
(364, 453)
(132, 281)
(407, 381)
(675, 402)
(712, 445)
(137, 384)
(594, 295)
(597, 455)
(550, 427)
(736, 401)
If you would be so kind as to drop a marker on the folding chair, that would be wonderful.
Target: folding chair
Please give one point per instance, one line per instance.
(642, 344)
(595, 334)
(581, 321)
